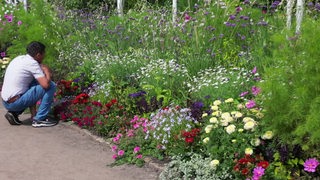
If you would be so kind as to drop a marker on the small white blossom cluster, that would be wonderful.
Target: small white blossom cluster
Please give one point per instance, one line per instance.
(168, 122)
(161, 69)
(217, 77)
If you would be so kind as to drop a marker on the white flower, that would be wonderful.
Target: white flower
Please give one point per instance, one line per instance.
(213, 120)
(208, 128)
(225, 115)
(267, 135)
(216, 113)
(248, 151)
(230, 129)
(206, 140)
(240, 106)
(217, 102)
(224, 123)
(238, 114)
(240, 130)
(229, 100)
(214, 163)
(249, 125)
(233, 140)
(255, 142)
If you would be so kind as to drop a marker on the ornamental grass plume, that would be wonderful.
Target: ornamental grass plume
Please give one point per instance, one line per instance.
(310, 165)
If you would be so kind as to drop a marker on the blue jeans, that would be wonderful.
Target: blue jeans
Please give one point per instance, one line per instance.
(31, 97)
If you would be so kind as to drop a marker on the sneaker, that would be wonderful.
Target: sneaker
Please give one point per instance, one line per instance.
(43, 123)
(12, 118)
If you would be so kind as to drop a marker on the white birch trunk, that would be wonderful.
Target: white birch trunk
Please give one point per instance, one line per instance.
(25, 5)
(290, 4)
(299, 14)
(120, 7)
(174, 11)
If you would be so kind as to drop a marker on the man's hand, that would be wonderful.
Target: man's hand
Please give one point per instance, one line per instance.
(47, 71)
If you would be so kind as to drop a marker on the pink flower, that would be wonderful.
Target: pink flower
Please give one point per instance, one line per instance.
(121, 152)
(136, 149)
(310, 165)
(114, 156)
(116, 139)
(19, 23)
(114, 148)
(258, 172)
(254, 70)
(130, 133)
(187, 18)
(255, 90)
(244, 93)
(136, 126)
(139, 156)
(250, 104)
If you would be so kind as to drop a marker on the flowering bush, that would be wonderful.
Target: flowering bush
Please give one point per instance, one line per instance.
(173, 129)
(233, 130)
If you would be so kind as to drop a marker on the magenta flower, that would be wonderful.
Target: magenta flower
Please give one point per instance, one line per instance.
(136, 149)
(254, 70)
(139, 156)
(3, 54)
(116, 139)
(114, 156)
(121, 152)
(258, 172)
(9, 18)
(244, 93)
(187, 18)
(250, 104)
(130, 133)
(114, 148)
(255, 90)
(310, 165)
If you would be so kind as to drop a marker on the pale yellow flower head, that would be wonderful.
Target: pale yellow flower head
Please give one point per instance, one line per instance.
(249, 125)
(240, 106)
(206, 140)
(267, 135)
(225, 115)
(214, 163)
(255, 142)
(217, 102)
(230, 100)
(248, 151)
(233, 140)
(3, 66)
(247, 119)
(208, 128)
(240, 130)
(216, 113)
(215, 108)
(230, 129)
(204, 115)
(213, 120)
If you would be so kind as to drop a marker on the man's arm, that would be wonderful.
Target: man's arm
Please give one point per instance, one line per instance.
(45, 81)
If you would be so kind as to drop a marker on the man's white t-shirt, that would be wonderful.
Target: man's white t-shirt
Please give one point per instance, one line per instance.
(20, 72)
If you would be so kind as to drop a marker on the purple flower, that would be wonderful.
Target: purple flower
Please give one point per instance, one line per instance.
(137, 94)
(250, 104)
(232, 17)
(255, 90)
(310, 165)
(187, 18)
(258, 172)
(19, 23)
(9, 18)
(3, 54)
(238, 9)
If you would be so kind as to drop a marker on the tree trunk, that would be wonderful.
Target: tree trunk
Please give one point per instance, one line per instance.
(120, 4)
(174, 11)
(299, 14)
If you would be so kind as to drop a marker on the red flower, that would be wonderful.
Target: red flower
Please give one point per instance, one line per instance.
(245, 171)
(113, 101)
(263, 164)
(189, 139)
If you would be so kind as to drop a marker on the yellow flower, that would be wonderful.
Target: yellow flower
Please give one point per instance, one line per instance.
(230, 129)
(214, 108)
(214, 163)
(267, 135)
(225, 115)
(204, 114)
(249, 125)
(208, 128)
(259, 115)
(240, 130)
(206, 140)
(255, 142)
(3, 66)
(238, 114)
(247, 119)
(230, 100)
(213, 120)
(216, 113)
(233, 140)
(217, 102)
(248, 151)
(240, 106)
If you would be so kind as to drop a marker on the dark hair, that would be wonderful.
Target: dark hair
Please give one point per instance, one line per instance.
(35, 47)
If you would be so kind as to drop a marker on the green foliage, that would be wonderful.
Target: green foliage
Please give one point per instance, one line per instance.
(38, 24)
(292, 83)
